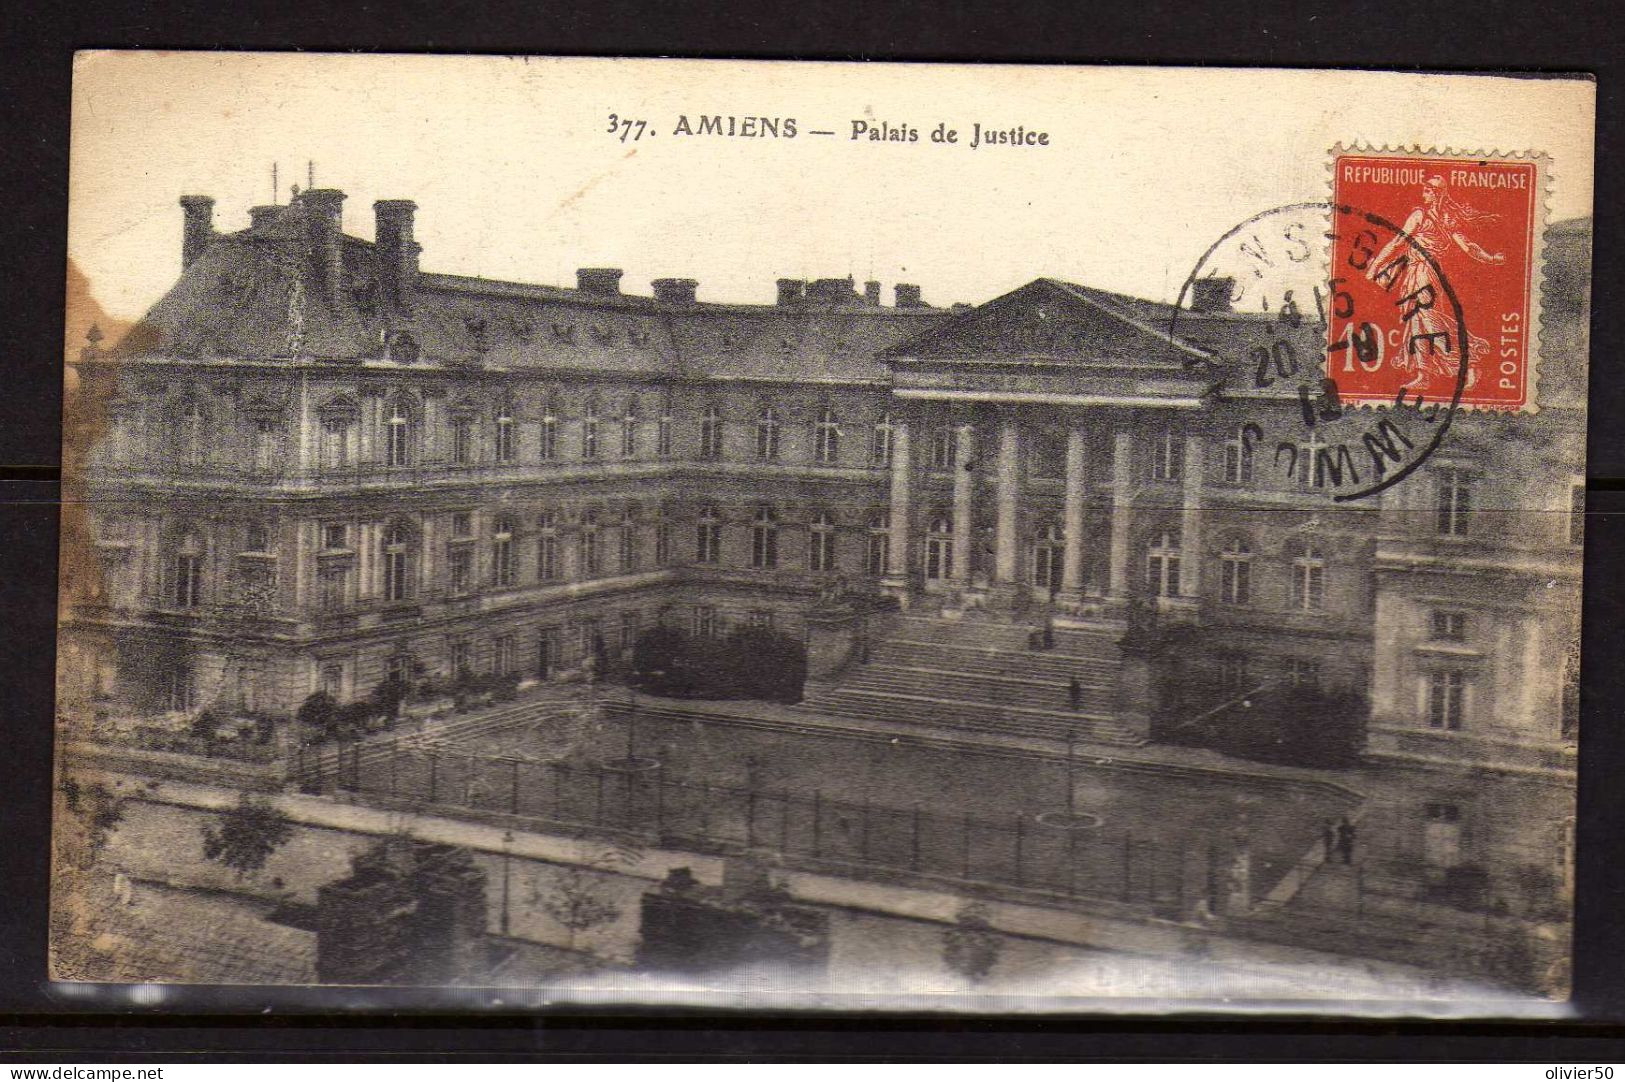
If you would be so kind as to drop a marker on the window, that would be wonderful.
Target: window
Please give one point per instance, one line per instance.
(662, 543)
(627, 545)
(460, 569)
(331, 679)
(335, 537)
(336, 442)
(463, 451)
(1446, 691)
(549, 431)
(1442, 813)
(398, 438)
(333, 586)
(1238, 459)
(267, 445)
(1449, 626)
(882, 442)
(503, 655)
(663, 431)
(708, 537)
(1167, 459)
(827, 438)
(1309, 469)
(705, 621)
(547, 547)
(257, 537)
(186, 572)
(180, 691)
(878, 556)
(190, 434)
(1308, 578)
(592, 549)
(821, 543)
(631, 622)
(1233, 674)
(1455, 503)
(589, 431)
(462, 524)
(711, 433)
(767, 433)
(462, 660)
(505, 445)
(760, 618)
(944, 447)
(629, 430)
(1301, 672)
(397, 564)
(1577, 514)
(1162, 567)
(939, 548)
(1049, 557)
(764, 539)
(1236, 572)
(502, 556)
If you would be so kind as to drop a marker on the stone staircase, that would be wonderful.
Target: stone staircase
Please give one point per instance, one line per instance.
(980, 673)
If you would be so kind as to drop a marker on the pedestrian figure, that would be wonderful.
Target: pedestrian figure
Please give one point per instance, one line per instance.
(1345, 840)
(1074, 692)
(1328, 839)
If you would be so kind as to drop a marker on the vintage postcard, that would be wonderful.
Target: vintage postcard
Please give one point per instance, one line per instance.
(803, 534)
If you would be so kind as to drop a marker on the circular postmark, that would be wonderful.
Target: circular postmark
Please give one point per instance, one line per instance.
(1301, 302)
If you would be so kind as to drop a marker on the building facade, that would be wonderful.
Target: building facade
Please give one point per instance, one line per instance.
(314, 465)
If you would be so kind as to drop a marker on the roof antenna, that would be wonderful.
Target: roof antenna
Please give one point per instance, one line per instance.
(276, 189)
(310, 175)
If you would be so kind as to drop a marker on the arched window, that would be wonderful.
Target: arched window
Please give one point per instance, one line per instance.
(821, 543)
(1049, 557)
(397, 563)
(549, 430)
(547, 547)
(464, 445)
(663, 429)
(502, 551)
(504, 439)
(1308, 577)
(627, 544)
(827, 438)
(708, 537)
(939, 548)
(589, 431)
(186, 570)
(767, 433)
(879, 548)
(711, 433)
(882, 441)
(1236, 571)
(1162, 566)
(764, 539)
(398, 439)
(265, 452)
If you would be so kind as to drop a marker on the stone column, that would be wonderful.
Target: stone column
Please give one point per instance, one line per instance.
(902, 478)
(1077, 448)
(964, 509)
(1190, 518)
(1009, 494)
(1122, 495)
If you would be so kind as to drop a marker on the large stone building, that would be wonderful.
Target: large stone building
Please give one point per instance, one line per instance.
(315, 464)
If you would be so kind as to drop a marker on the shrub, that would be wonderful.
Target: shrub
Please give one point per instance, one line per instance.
(246, 836)
(1301, 726)
(751, 663)
(316, 713)
(387, 695)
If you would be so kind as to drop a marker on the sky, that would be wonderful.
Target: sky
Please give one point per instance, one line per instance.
(517, 176)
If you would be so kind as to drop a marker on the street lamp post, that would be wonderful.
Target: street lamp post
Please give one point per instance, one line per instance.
(507, 861)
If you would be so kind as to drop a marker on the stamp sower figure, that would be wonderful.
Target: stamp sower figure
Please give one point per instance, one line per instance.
(1434, 226)
(1345, 840)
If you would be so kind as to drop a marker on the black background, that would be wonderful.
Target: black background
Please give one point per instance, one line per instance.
(36, 45)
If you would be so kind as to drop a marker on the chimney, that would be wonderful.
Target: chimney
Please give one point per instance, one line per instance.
(792, 291)
(325, 208)
(259, 217)
(1212, 294)
(831, 291)
(675, 290)
(908, 296)
(199, 228)
(871, 293)
(601, 281)
(396, 250)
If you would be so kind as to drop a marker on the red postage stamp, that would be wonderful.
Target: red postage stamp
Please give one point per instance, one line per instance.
(1435, 278)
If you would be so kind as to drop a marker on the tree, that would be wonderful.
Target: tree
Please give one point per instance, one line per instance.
(93, 814)
(316, 713)
(246, 836)
(971, 947)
